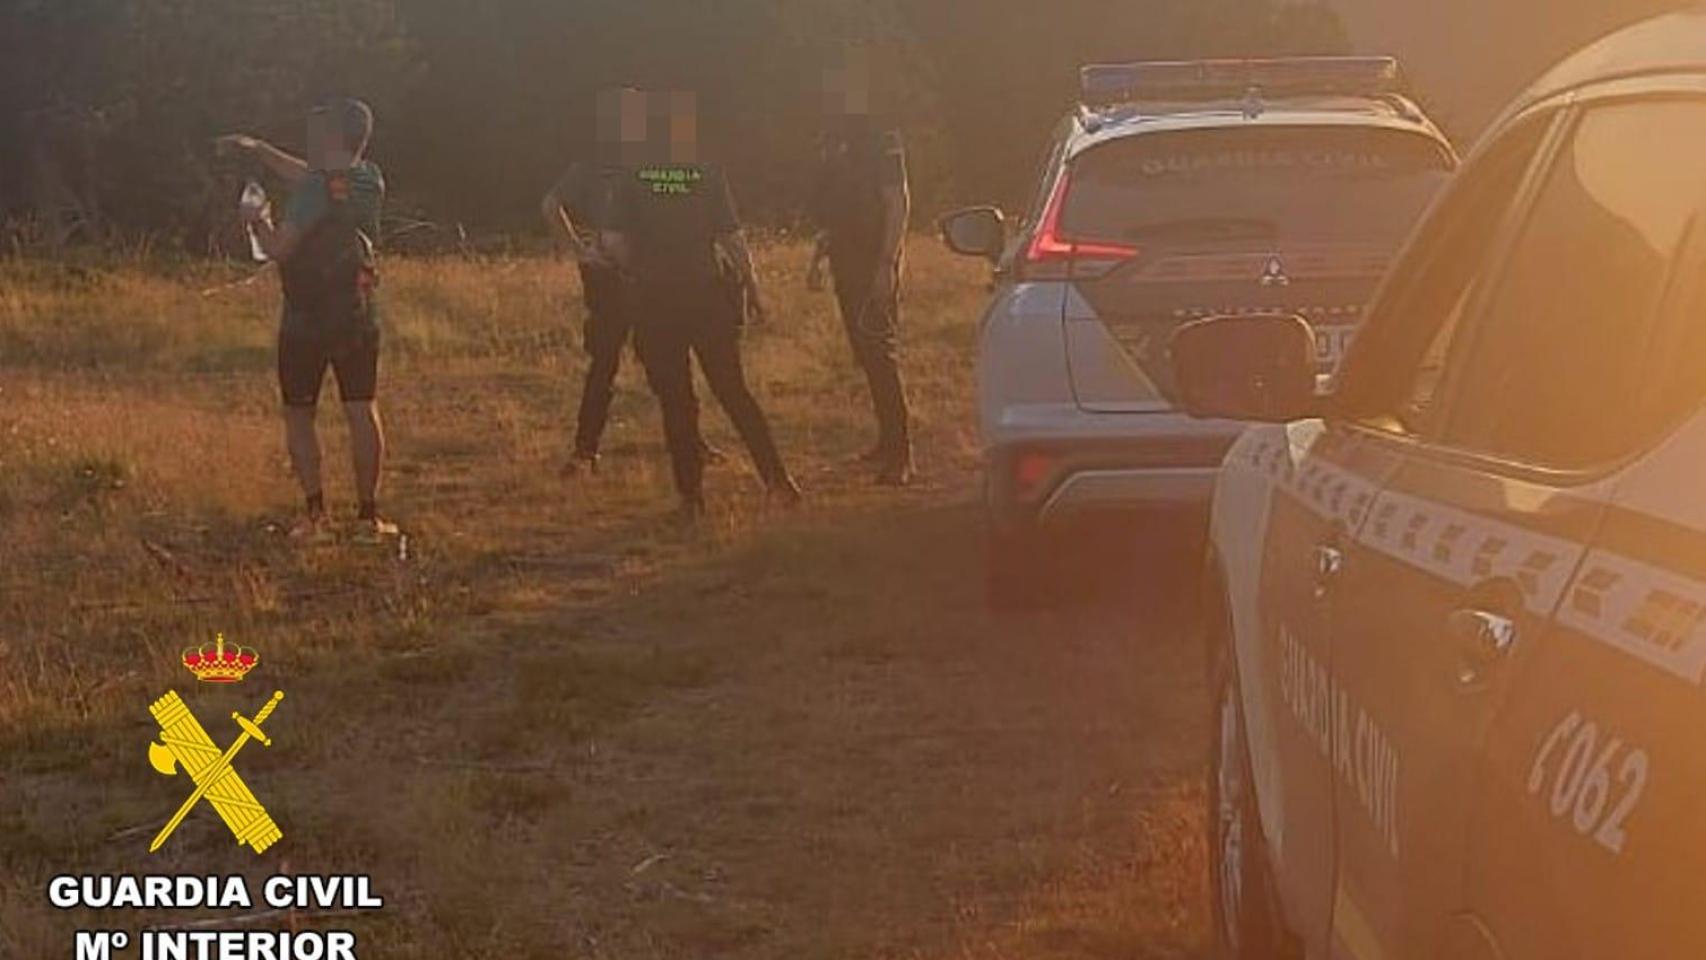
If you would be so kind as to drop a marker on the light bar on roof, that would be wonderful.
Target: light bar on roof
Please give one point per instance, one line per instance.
(1194, 79)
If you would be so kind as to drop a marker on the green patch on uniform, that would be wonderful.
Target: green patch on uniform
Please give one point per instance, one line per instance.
(670, 181)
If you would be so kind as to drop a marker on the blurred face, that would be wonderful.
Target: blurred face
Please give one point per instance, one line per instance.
(846, 86)
(681, 120)
(622, 125)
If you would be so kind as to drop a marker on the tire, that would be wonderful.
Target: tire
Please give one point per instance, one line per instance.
(1019, 574)
(1166, 567)
(1247, 925)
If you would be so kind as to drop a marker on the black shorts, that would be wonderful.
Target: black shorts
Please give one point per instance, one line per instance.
(302, 363)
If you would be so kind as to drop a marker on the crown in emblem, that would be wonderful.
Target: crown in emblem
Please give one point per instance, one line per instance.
(222, 664)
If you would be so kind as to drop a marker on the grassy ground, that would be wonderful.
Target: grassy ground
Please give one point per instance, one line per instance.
(557, 724)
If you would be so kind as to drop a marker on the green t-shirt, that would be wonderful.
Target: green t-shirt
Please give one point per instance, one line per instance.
(360, 189)
(312, 199)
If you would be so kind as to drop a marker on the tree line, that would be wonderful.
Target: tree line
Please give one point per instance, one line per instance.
(108, 107)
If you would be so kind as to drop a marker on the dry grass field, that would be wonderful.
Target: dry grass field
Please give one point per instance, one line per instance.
(557, 724)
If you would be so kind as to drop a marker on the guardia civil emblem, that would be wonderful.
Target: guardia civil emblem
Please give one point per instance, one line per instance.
(185, 745)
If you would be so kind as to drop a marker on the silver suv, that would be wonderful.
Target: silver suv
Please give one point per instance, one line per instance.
(1176, 191)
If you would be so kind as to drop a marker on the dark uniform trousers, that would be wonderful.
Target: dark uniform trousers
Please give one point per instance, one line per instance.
(873, 327)
(668, 334)
(605, 335)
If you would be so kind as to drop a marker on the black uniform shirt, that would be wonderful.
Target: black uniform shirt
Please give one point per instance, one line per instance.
(848, 204)
(587, 191)
(672, 215)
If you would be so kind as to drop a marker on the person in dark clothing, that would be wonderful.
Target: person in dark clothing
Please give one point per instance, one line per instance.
(690, 286)
(861, 208)
(578, 211)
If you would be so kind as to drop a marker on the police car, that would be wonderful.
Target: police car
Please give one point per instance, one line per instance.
(1458, 630)
(1177, 191)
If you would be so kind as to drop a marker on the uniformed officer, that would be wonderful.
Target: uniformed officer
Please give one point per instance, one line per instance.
(861, 208)
(689, 286)
(577, 211)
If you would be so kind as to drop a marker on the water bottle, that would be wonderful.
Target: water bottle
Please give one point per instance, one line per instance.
(253, 201)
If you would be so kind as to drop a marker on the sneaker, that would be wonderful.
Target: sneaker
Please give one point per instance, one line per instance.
(580, 463)
(376, 530)
(310, 528)
(711, 456)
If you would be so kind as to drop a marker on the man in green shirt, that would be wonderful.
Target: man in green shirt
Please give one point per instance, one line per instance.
(324, 246)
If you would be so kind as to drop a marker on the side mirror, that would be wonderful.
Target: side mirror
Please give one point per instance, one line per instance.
(976, 232)
(1252, 367)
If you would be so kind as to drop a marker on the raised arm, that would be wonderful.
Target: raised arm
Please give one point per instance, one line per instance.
(287, 167)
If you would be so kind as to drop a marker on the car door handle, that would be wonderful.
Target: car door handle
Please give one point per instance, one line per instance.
(1484, 637)
(1329, 563)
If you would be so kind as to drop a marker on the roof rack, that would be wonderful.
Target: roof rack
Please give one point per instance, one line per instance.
(1103, 83)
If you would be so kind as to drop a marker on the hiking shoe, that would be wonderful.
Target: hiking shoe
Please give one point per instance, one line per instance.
(580, 463)
(375, 530)
(310, 528)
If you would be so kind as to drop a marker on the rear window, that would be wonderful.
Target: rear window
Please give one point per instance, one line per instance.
(1302, 183)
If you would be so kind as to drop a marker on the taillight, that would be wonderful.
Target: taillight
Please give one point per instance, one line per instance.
(1052, 256)
(1031, 474)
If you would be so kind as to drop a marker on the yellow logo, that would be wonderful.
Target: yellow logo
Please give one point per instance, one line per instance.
(183, 743)
(220, 665)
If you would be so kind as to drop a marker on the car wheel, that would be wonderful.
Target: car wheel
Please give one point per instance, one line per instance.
(1018, 574)
(1247, 926)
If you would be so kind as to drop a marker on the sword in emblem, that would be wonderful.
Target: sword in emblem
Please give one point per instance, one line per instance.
(251, 730)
